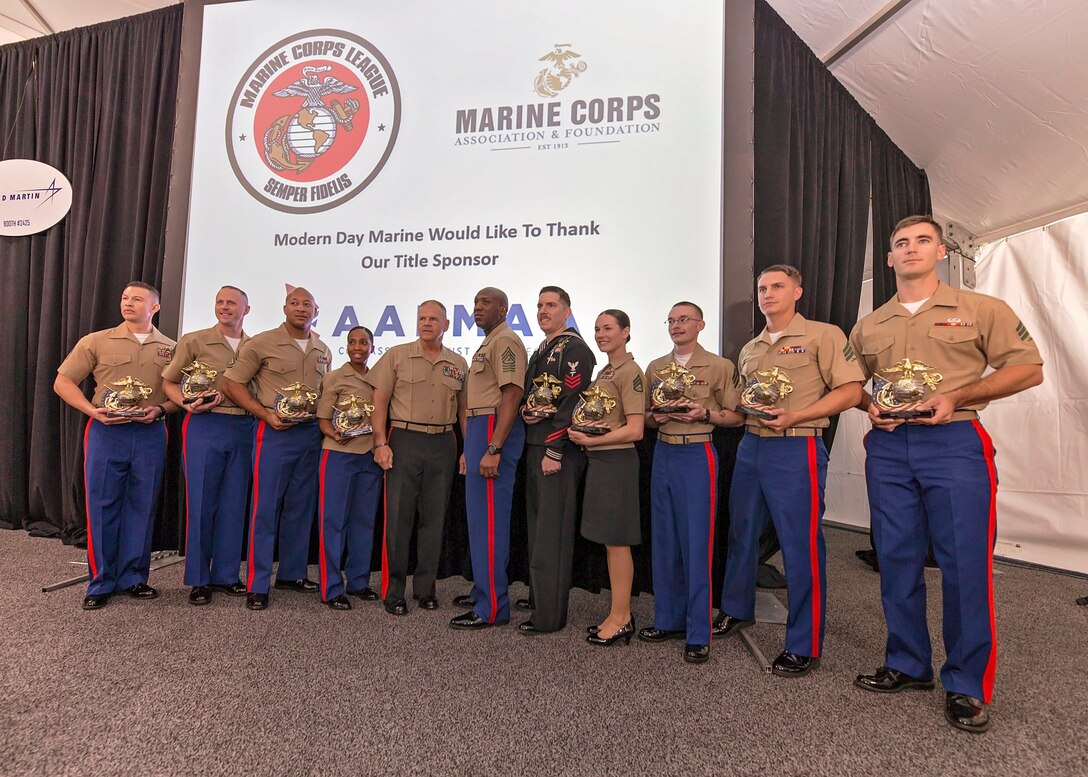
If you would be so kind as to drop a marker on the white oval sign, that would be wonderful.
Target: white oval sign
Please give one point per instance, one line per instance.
(33, 196)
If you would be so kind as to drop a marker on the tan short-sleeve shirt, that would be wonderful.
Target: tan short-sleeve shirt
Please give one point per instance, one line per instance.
(273, 361)
(114, 354)
(499, 361)
(716, 386)
(625, 384)
(210, 347)
(420, 391)
(957, 332)
(815, 357)
(337, 386)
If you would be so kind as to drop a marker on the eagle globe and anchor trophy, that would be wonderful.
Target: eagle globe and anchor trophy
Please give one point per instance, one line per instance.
(764, 389)
(198, 383)
(123, 400)
(588, 416)
(897, 388)
(667, 392)
(544, 396)
(295, 404)
(351, 416)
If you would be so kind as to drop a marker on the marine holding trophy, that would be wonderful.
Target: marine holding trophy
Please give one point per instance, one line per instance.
(794, 375)
(557, 372)
(690, 391)
(124, 445)
(607, 422)
(930, 466)
(217, 447)
(349, 482)
(285, 365)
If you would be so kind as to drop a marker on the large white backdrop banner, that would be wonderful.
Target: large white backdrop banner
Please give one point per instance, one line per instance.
(383, 153)
(1041, 435)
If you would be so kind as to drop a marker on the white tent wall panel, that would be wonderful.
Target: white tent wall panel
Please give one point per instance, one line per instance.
(1041, 435)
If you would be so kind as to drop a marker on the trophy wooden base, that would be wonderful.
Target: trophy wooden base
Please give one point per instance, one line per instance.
(905, 415)
(357, 432)
(138, 413)
(755, 413)
(670, 409)
(200, 399)
(541, 413)
(592, 431)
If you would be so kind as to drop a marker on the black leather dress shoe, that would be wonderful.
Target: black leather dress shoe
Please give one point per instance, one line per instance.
(966, 713)
(793, 665)
(201, 594)
(338, 603)
(395, 606)
(868, 557)
(305, 584)
(888, 680)
(428, 602)
(696, 654)
(230, 589)
(366, 594)
(524, 604)
(464, 600)
(257, 602)
(141, 591)
(95, 602)
(528, 627)
(726, 625)
(470, 621)
(651, 634)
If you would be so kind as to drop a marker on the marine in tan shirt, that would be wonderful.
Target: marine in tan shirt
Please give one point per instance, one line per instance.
(935, 478)
(684, 484)
(419, 396)
(623, 383)
(285, 453)
(795, 374)
(124, 455)
(217, 446)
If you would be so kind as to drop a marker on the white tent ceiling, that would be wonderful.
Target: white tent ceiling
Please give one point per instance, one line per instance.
(989, 96)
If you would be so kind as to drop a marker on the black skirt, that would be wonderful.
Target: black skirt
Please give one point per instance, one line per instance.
(610, 507)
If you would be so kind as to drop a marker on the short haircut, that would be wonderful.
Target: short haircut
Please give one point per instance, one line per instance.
(504, 301)
(622, 319)
(698, 309)
(911, 221)
(297, 289)
(369, 334)
(792, 272)
(432, 302)
(556, 290)
(228, 286)
(144, 286)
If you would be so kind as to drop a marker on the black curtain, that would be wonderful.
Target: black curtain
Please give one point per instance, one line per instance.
(97, 103)
(813, 168)
(900, 189)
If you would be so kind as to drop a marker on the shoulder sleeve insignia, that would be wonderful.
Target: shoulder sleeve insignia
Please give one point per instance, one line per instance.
(737, 382)
(849, 353)
(636, 384)
(509, 361)
(1022, 332)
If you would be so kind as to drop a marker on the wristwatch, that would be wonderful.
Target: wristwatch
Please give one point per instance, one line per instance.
(492, 450)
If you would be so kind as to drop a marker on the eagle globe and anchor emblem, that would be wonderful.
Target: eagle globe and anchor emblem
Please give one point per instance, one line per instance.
(294, 141)
(565, 65)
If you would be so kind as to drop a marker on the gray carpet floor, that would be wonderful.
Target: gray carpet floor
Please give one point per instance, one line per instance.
(163, 688)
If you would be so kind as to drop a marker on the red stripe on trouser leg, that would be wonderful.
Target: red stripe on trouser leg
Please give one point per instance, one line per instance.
(185, 468)
(813, 543)
(321, 527)
(87, 503)
(712, 471)
(991, 468)
(491, 529)
(256, 495)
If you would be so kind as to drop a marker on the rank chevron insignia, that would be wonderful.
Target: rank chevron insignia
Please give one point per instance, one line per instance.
(509, 361)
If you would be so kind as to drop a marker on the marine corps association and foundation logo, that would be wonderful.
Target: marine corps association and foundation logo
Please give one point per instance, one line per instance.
(313, 121)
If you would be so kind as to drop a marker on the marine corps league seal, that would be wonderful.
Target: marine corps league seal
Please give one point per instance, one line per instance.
(313, 121)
